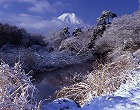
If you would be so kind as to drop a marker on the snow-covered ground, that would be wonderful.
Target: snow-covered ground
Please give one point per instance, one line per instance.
(127, 97)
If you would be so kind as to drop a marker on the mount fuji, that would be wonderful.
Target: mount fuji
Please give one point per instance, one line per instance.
(72, 21)
(71, 18)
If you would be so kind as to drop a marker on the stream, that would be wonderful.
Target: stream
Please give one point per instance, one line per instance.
(49, 82)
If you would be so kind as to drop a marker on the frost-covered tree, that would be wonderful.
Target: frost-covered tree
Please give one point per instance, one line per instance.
(123, 34)
(105, 17)
(76, 31)
(55, 38)
(65, 31)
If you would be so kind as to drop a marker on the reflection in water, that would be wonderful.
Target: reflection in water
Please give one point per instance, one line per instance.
(48, 83)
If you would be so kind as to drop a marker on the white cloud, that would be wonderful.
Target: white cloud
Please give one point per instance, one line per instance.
(41, 6)
(31, 23)
(38, 6)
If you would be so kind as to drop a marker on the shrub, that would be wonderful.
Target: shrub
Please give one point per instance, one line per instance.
(25, 55)
(11, 34)
(16, 89)
(35, 39)
(105, 79)
(19, 37)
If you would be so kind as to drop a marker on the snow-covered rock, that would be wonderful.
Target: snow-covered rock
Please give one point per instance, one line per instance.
(60, 104)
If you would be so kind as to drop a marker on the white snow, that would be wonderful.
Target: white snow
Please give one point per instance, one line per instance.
(70, 17)
(73, 19)
(127, 97)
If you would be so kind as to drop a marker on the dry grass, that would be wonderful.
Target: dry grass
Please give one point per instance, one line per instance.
(105, 79)
(16, 89)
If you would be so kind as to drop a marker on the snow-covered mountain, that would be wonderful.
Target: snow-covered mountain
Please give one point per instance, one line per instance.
(71, 20)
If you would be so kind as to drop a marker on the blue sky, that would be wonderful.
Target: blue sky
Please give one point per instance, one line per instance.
(36, 15)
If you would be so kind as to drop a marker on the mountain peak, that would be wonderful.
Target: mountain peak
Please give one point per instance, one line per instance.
(70, 18)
